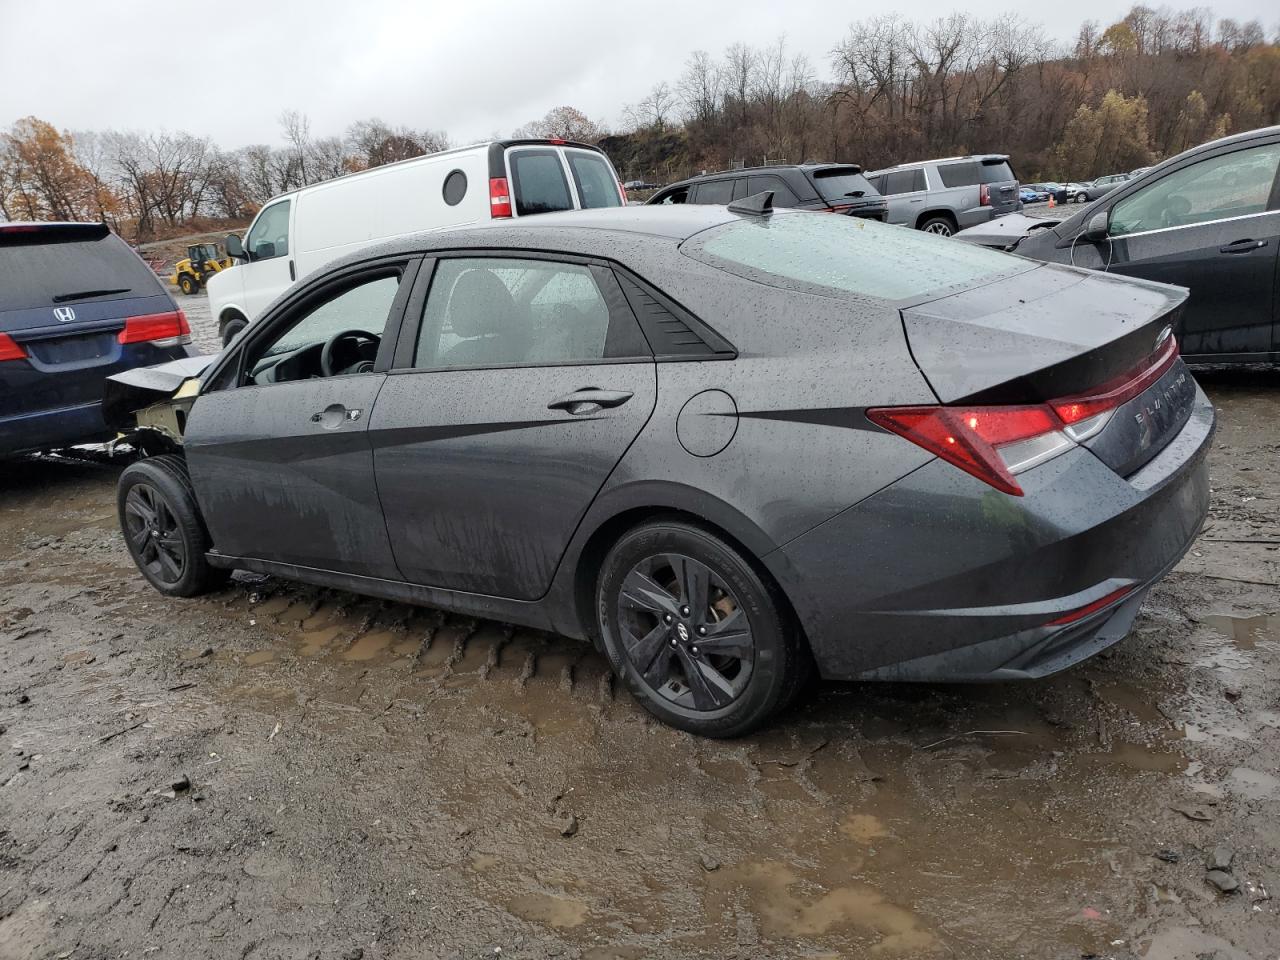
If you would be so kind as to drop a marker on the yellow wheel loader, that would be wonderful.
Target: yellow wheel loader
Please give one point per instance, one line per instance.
(202, 262)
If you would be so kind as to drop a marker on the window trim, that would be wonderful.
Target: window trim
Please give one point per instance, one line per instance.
(515, 186)
(415, 311)
(248, 234)
(313, 294)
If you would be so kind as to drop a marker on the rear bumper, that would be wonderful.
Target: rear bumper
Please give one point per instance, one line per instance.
(940, 577)
(974, 216)
(49, 429)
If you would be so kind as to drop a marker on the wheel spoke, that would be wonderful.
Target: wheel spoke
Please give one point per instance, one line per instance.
(708, 694)
(137, 504)
(644, 651)
(169, 564)
(694, 581)
(731, 636)
(642, 592)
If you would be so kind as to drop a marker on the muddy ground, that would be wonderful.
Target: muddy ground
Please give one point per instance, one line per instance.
(374, 780)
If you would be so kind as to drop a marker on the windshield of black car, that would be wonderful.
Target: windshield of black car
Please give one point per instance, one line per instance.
(846, 255)
(37, 274)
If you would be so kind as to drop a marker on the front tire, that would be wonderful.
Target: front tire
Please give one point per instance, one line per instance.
(1082, 198)
(163, 529)
(232, 328)
(188, 285)
(701, 639)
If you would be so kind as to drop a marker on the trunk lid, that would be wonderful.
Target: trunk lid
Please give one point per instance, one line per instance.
(1054, 333)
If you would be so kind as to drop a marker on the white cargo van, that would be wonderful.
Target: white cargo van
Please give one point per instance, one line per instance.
(295, 233)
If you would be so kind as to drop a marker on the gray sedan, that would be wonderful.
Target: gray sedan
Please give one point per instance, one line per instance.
(732, 446)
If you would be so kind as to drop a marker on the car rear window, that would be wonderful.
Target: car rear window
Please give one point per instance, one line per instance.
(837, 183)
(34, 274)
(538, 182)
(594, 180)
(995, 171)
(827, 255)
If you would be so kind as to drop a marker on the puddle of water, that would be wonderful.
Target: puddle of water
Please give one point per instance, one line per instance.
(1134, 699)
(1254, 784)
(1246, 632)
(769, 887)
(1138, 756)
(259, 657)
(864, 828)
(563, 913)
(315, 641)
(370, 645)
(322, 616)
(1225, 658)
(274, 606)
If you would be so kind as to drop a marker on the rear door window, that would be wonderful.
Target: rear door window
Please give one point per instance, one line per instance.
(679, 195)
(46, 274)
(593, 179)
(538, 182)
(995, 171)
(782, 194)
(715, 191)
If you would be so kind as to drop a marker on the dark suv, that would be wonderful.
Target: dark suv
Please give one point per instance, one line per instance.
(827, 187)
(76, 305)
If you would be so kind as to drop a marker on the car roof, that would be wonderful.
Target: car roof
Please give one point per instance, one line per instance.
(920, 163)
(571, 231)
(760, 171)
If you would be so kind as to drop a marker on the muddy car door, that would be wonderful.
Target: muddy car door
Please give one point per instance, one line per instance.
(516, 390)
(1212, 226)
(278, 442)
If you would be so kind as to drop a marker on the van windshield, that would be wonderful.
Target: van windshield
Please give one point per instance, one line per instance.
(834, 255)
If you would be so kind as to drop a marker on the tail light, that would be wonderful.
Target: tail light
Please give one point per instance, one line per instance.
(9, 350)
(1079, 613)
(994, 443)
(837, 208)
(984, 195)
(162, 329)
(499, 198)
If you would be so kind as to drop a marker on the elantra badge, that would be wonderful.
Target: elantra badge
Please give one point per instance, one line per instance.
(64, 314)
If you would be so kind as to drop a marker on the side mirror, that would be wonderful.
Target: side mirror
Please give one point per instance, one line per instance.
(234, 247)
(1095, 230)
(265, 250)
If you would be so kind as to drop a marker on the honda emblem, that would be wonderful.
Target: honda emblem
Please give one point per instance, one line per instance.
(64, 314)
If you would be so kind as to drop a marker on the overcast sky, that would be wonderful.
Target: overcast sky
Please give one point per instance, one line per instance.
(471, 69)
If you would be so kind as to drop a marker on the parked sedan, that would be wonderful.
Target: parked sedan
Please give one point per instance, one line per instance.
(729, 445)
(1104, 185)
(76, 305)
(1077, 192)
(1208, 219)
(1028, 194)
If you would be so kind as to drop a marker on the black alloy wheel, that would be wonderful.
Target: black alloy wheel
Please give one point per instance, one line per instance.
(153, 535)
(701, 636)
(684, 632)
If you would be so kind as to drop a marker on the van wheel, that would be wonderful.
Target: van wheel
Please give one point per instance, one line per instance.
(703, 642)
(163, 529)
(188, 284)
(231, 328)
(941, 226)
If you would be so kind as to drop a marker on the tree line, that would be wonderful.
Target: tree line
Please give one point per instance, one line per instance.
(1116, 97)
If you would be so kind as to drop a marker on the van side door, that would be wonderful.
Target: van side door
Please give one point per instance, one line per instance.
(269, 269)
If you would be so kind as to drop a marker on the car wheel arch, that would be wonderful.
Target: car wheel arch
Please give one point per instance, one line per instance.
(942, 213)
(229, 316)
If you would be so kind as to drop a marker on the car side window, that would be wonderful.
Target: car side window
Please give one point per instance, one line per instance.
(675, 196)
(337, 336)
(715, 191)
(783, 196)
(496, 311)
(1231, 185)
(270, 234)
(963, 174)
(903, 181)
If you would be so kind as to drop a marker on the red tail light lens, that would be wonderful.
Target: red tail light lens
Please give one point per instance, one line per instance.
(1119, 390)
(1081, 612)
(154, 327)
(9, 350)
(967, 437)
(994, 443)
(984, 195)
(499, 198)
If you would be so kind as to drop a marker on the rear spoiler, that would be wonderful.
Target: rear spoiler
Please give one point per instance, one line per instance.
(18, 234)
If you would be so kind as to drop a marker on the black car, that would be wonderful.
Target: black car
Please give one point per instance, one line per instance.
(727, 444)
(1207, 219)
(826, 187)
(76, 305)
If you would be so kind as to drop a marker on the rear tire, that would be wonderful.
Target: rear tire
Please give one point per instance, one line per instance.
(1082, 198)
(702, 640)
(188, 285)
(940, 226)
(163, 529)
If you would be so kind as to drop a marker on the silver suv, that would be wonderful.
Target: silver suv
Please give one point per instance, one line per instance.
(943, 196)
